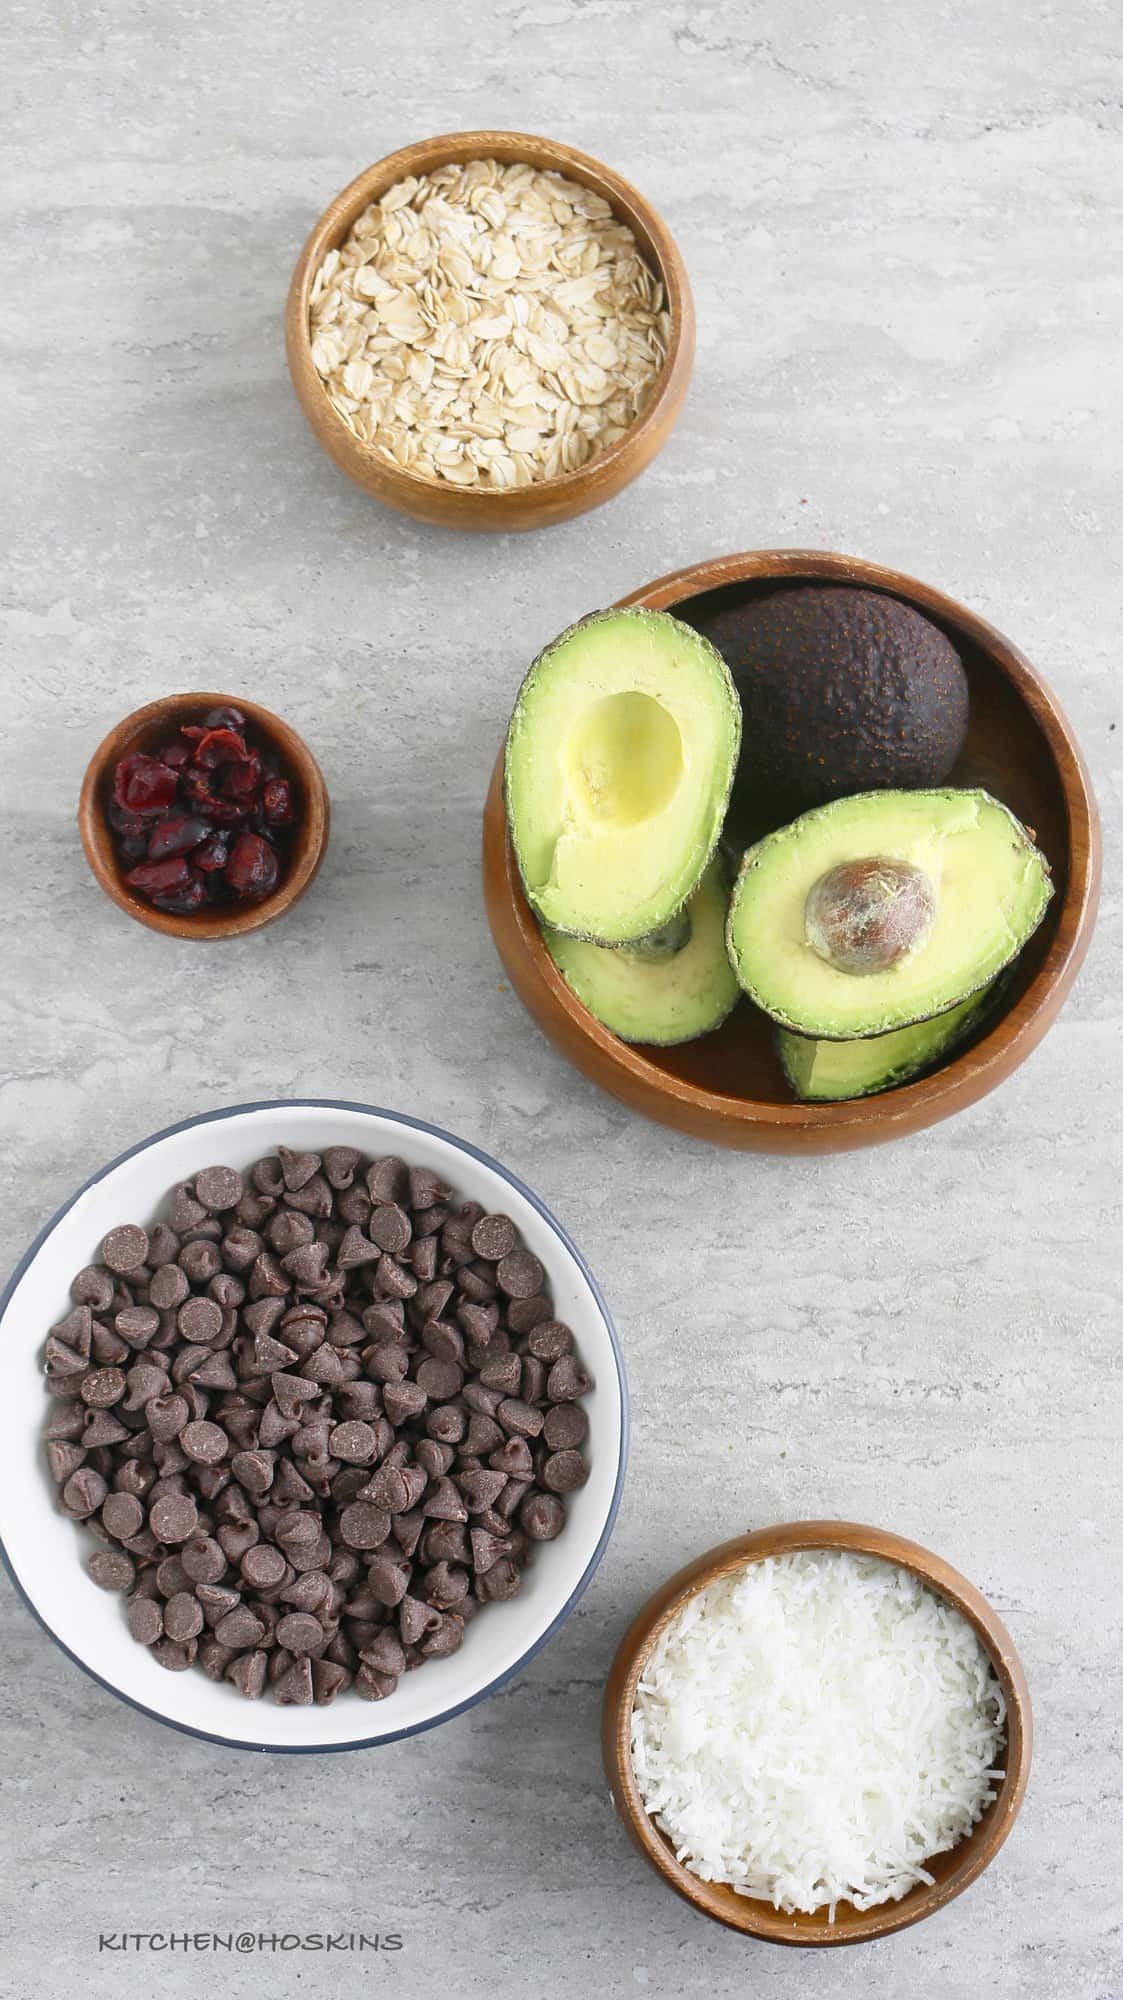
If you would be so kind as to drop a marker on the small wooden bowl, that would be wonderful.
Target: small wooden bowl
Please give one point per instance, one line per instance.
(728, 1087)
(154, 724)
(952, 1871)
(548, 500)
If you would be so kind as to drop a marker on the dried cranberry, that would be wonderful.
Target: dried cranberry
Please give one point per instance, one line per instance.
(276, 802)
(240, 781)
(182, 902)
(224, 718)
(176, 753)
(132, 847)
(126, 822)
(253, 867)
(221, 746)
(212, 855)
(143, 784)
(223, 812)
(176, 835)
(157, 878)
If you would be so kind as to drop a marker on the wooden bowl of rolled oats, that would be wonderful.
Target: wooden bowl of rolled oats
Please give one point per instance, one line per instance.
(490, 331)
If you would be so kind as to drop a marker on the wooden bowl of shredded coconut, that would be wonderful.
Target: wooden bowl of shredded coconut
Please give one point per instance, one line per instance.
(818, 1734)
(490, 331)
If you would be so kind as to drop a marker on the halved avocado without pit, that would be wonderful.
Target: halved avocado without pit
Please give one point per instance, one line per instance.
(873, 912)
(825, 1072)
(619, 762)
(658, 996)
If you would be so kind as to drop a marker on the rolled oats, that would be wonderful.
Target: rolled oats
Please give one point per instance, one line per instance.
(488, 325)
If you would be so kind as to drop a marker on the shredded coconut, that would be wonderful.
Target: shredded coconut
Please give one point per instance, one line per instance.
(814, 1727)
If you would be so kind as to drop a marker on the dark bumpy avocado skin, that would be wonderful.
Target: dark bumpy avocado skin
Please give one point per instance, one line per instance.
(843, 690)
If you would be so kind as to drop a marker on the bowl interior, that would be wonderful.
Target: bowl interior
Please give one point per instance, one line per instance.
(1008, 750)
(46, 1552)
(153, 725)
(952, 1871)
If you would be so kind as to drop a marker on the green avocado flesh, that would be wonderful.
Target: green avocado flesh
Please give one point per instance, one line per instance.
(667, 999)
(620, 757)
(984, 890)
(824, 1071)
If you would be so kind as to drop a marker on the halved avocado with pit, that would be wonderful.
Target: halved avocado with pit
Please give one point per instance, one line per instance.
(619, 762)
(665, 996)
(825, 1072)
(873, 912)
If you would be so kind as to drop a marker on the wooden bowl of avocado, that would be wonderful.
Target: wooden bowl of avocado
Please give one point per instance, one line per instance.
(927, 715)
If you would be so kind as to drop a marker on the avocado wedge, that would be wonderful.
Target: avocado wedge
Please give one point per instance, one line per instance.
(619, 762)
(823, 1072)
(873, 912)
(659, 999)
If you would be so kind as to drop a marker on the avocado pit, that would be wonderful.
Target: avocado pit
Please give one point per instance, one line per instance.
(865, 916)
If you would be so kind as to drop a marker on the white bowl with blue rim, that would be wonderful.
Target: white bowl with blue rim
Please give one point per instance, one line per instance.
(45, 1552)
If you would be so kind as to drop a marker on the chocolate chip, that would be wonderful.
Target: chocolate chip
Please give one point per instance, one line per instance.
(439, 1379)
(218, 1188)
(519, 1419)
(297, 1168)
(200, 1320)
(83, 1493)
(565, 1427)
(566, 1381)
(356, 1250)
(203, 1559)
(354, 1443)
(426, 1188)
(542, 1516)
(300, 1632)
(183, 1616)
(364, 1526)
(388, 1179)
(205, 1443)
(523, 1315)
(167, 1412)
(241, 1628)
(294, 1688)
(502, 1581)
(494, 1237)
(125, 1249)
(520, 1275)
(314, 1198)
(339, 1164)
(102, 1387)
(137, 1324)
(564, 1472)
(175, 1657)
(174, 1517)
(549, 1340)
(247, 1673)
(123, 1515)
(93, 1287)
(63, 1459)
(111, 1571)
(264, 1566)
(145, 1620)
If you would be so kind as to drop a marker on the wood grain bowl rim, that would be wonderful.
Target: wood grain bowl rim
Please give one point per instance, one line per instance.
(741, 1913)
(567, 493)
(740, 1121)
(140, 728)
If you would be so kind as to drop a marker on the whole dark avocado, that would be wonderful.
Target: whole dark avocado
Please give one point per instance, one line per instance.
(843, 690)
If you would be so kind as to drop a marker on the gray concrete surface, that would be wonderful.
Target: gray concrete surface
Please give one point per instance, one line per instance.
(904, 230)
